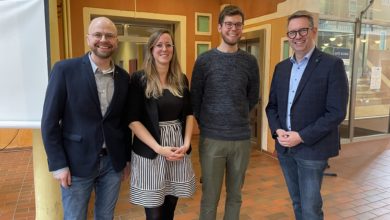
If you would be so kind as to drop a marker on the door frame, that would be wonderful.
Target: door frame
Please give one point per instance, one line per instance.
(178, 21)
(262, 122)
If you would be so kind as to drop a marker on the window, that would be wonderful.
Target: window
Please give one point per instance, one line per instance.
(202, 23)
(201, 47)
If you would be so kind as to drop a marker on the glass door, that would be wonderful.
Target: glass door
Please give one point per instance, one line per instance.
(366, 56)
(336, 38)
(367, 64)
(372, 72)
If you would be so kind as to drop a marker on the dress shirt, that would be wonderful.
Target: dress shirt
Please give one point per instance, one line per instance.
(296, 75)
(105, 86)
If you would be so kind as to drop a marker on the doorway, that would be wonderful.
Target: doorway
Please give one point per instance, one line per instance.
(133, 36)
(134, 29)
(254, 43)
(371, 81)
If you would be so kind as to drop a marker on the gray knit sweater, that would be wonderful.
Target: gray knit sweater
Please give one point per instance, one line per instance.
(224, 88)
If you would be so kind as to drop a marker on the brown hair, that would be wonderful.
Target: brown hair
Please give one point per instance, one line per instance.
(230, 10)
(302, 14)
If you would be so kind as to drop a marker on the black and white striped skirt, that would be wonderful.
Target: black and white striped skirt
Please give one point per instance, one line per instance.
(153, 179)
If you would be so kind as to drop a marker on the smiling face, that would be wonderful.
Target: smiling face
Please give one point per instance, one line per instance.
(102, 37)
(231, 29)
(162, 50)
(301, 44)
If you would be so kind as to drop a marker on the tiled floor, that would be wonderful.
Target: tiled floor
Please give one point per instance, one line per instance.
(360, 191)
(16, 184)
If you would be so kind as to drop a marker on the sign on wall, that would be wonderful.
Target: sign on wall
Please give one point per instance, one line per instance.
(343, 53)
(376, 78)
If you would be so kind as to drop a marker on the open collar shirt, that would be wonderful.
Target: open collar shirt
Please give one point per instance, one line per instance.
(105, 86)
(295, 77)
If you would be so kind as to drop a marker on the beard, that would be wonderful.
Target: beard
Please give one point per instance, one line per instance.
(230, 42)
(103, 55)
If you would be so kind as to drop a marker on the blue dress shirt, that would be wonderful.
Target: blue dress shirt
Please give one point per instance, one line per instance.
(296, 75)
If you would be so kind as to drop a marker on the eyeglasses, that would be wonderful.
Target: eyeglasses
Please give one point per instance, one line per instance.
(229, 25)
(161, 46)
(99, 36)
(302, 32)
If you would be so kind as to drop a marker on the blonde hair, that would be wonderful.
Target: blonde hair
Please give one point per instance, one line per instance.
(175, 80)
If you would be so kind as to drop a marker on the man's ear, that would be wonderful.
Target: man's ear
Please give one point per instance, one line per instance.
(219, 28)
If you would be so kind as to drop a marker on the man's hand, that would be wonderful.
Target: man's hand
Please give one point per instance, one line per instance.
(281, 133)
(65, 178)
(289, 138)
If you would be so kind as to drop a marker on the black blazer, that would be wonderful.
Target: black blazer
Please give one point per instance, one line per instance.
(145, 110)
(73, 127)
(319, 105)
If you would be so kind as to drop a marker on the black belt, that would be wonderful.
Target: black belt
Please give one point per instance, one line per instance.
(103, 152)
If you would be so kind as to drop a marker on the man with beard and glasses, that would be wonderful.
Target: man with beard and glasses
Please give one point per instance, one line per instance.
(85, 127)
(224, 89)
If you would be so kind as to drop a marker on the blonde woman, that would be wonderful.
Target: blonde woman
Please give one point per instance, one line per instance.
(161, 118)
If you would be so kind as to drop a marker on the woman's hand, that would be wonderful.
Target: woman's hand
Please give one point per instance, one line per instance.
(170, 153)
(183, 149)
(180, 152)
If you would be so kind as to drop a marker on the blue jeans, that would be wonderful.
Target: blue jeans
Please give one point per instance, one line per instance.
(304, 179)
(106, 183)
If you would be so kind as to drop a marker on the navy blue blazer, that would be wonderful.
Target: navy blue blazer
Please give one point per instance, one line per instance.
(319, 105)
(145, 110)
(73, 127)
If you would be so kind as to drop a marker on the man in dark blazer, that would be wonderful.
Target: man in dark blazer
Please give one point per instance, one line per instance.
(307, 102)
(84, 125)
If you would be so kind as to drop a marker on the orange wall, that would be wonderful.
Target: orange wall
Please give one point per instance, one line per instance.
(251, 9)
(179, 7)
(176, 7)
(278, 31)
(255, 8)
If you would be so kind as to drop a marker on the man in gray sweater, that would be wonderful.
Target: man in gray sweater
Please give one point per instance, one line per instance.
(224, 89)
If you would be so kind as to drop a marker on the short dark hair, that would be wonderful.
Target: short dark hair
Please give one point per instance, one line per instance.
(302, 14)
(230, 10)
